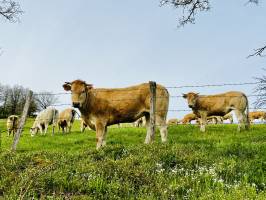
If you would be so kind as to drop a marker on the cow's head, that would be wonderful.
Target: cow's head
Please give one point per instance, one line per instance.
(79, 91)
(33, 131)
(191, 99)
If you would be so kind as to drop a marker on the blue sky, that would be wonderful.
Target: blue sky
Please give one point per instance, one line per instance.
(121, 43)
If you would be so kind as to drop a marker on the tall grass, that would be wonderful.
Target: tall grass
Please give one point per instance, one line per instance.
(219, 164)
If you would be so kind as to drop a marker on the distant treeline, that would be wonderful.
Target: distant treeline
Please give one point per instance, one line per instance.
(12, 100)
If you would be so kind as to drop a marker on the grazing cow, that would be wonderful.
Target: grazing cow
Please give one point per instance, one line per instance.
(66, 119)
(105, 107)
(219, 105)
(12, 124)
(188, 118)
(215, 119)
(140, 122)
(172, 122)
(229, 117)
(257, 115)
(46, 117)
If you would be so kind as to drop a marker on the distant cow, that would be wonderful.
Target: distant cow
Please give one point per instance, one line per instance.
(140, 122)
(188, 118)
(257, 115)
(83, 125)
(172, 122)
(44, 118)
(66, 119)
(229, 117)
(219, 105)
(104, 107)
(12, 124)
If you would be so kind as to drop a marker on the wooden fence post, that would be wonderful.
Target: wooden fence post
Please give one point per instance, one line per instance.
(22, 120)
(152, 108)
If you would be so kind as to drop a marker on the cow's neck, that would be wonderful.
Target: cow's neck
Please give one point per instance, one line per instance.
(89, 104)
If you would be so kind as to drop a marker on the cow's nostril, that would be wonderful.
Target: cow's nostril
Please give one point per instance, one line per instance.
(75, 105)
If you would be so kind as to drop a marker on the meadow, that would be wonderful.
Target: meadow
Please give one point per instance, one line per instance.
(219, 164)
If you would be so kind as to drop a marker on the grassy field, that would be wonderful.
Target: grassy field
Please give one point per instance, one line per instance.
(219, 164)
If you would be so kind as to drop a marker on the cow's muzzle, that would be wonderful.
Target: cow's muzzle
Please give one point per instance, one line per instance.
(191, 106)
(76, 104)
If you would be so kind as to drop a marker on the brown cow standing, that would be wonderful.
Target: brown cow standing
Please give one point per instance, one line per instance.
(219, 105)
(257, 115)
(66, 119)
(103, 107)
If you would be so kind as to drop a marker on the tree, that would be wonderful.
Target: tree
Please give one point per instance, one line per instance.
(190, 8)
(260, 89)
(45, 99)
(10, 10)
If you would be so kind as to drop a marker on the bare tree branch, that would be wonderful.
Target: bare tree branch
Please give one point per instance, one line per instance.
(260, 89)
(45, 99)
(190, 9)
(258, 52)
(10, 10)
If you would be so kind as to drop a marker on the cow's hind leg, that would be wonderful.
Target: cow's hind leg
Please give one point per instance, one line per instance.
(161, 122)
(149, 136)
(241, 119)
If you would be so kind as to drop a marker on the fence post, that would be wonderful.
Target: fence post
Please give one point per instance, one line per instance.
(152, 108)
(22, 120)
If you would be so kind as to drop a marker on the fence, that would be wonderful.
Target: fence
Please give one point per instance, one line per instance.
(153, 98)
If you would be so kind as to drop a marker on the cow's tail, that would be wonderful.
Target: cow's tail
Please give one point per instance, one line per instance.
(247, 113)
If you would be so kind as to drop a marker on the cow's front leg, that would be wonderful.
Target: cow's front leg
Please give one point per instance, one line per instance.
(203, 122)
(100, 135)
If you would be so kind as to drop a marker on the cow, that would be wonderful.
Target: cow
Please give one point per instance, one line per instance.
(44, 118)
(229, 117)
(257, 115)
(172, 122)
(66, 119)
(215, 119)
(12, 124)
(105, 107)
(188, 118)
(219, 105)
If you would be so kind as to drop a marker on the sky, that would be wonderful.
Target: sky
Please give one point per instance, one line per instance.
(122, 43)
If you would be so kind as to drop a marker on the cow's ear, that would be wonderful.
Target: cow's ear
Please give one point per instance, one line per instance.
(89, 86)
(184, 96)
(67, 86)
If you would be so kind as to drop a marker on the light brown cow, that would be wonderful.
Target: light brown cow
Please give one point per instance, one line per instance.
(172, 121)
(219, 105)
(66, 119)
(12, 124)
(188, 118)
(257, 115)
(104, 107)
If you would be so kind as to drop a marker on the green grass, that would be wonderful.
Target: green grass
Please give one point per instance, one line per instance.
(219, 164)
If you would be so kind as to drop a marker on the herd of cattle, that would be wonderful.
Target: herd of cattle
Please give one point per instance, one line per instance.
(101, 108)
